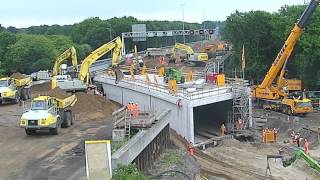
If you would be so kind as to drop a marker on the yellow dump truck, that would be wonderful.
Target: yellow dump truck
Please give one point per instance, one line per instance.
(15, 89)
(48, 113)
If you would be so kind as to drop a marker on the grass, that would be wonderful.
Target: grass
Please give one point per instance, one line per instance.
(172, 157)
(115, 145)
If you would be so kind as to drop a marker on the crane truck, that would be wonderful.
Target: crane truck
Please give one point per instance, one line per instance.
(13, 89)
(69, 53)
(198, 58)
(82, 82)
(273, 96)
(48, 113)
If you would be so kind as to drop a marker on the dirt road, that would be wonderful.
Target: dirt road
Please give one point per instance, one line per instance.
(233, 159)
(45, 156)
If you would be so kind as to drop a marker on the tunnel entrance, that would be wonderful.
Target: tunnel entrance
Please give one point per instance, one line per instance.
(208, 119)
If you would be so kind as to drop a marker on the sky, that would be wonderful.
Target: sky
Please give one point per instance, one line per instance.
(25, 13)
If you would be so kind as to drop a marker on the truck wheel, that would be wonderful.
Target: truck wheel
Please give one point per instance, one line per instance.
(182, 79)
(56, 130)
(29, 93)
(23, 94)
(73, 118)
(30, 131)
(16, 98)
(67, 119)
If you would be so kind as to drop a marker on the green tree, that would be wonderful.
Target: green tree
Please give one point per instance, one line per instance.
(29, 53)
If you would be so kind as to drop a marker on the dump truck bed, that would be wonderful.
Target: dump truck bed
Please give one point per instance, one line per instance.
(66, 102)
(23, 82)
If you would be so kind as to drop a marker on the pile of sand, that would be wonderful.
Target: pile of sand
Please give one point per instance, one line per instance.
(90, 106)
(18, 75)
(87, 107)
(40, 89)
(58, 93)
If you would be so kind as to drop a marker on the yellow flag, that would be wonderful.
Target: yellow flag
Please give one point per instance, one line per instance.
(243, 59)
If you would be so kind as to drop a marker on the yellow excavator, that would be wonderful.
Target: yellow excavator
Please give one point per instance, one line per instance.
(69, 53)
(274, 96)
(191, 55)
(82, 83)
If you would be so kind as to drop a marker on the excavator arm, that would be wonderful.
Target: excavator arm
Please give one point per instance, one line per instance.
(115, 44)
(69, 53)
(264, 90)
(297, 154)
(183, 47)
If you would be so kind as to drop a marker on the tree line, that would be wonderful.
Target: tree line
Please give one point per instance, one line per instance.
(35, 48)
(263, 35)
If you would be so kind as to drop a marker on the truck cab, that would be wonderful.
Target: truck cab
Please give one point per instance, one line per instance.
(8, 90)
(43, 114)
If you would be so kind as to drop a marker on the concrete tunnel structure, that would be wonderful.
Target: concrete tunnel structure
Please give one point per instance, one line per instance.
(190, 112)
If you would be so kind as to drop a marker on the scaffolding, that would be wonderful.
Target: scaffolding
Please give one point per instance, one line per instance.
(240, 108)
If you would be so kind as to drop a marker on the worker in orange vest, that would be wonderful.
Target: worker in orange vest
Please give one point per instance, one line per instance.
(264, 140)
(223, 129)
(306, 146)
(275, 133)
(240, 123)
(191, 149)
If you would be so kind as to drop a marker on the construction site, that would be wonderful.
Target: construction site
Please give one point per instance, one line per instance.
(171, 112)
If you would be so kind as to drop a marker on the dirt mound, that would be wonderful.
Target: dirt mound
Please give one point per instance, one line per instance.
(58, 93)
(40, 89)
(90, 107)
(18, 75)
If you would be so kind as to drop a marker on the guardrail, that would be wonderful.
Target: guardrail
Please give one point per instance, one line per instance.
(182, 92)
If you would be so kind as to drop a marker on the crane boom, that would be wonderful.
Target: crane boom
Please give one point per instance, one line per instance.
(288, 46)
(69, 53)
(115, 44)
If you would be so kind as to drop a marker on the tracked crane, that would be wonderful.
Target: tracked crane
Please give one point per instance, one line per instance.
(69, 53)
(271, 95)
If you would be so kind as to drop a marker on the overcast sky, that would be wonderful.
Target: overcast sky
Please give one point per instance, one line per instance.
(24, 13)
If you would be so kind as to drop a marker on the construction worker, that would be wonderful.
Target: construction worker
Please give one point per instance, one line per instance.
(293, 134)
(275, 133)
(136, 110)
(306, 146)
(264, 135)
(191, 149)
(240, 123)
(223, 129)
(297, 139)
(237, 125)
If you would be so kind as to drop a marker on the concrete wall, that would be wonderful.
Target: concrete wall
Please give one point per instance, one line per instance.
(181, 117)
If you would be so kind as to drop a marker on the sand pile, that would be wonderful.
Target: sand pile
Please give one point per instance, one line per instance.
(58, 93)
(40, 89)
(18, 75)
(90, 107)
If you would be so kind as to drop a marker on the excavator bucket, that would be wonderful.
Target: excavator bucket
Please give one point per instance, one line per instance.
(118, 73)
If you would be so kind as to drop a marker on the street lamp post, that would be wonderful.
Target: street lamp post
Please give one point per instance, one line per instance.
(110, 35)
(184, 38)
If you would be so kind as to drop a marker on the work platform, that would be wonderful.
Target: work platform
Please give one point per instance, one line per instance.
(210, 102)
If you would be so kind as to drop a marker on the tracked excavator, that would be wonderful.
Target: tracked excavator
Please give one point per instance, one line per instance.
(69, 53)
(274, 96)
(296, 155)
(83, 82)
(196, 58)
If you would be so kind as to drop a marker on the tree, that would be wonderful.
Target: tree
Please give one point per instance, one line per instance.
(29, 53)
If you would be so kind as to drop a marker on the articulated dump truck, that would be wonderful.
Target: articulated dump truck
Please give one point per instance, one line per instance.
(13, 89)
(49, 112)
